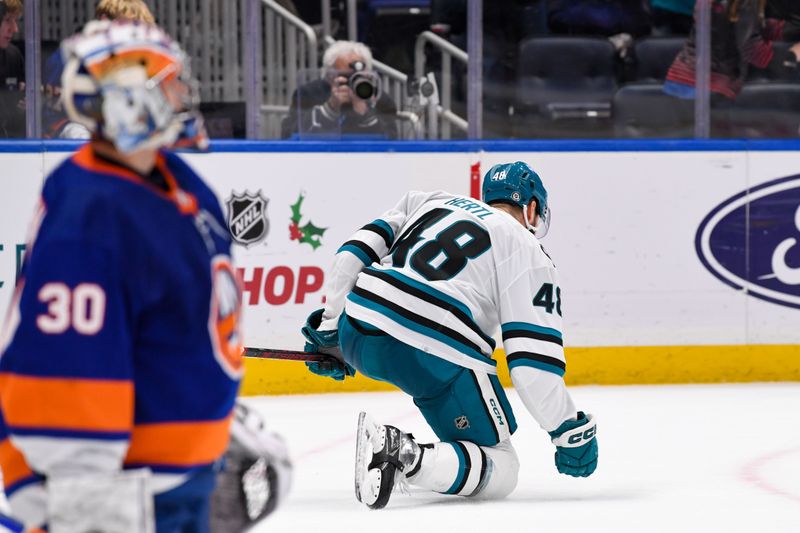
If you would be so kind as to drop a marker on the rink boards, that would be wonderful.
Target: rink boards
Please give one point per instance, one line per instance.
(679, 261)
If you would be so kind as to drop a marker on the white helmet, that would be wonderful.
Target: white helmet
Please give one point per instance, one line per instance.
(129, 83)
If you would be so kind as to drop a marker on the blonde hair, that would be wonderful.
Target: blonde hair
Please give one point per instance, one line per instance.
(124, 10)
(13, 6)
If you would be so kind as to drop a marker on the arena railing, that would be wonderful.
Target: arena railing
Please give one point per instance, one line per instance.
(290, 46)
(440, 110)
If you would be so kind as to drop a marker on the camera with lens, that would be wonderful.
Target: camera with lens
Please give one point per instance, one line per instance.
(364, 84)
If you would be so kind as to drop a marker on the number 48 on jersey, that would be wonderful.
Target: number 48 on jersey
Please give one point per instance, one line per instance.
(544, 298)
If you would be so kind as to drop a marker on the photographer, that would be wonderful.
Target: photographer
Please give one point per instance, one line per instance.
(348, 100)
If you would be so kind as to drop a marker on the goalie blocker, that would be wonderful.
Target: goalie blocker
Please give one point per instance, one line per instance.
(256, 474)
(254, 478)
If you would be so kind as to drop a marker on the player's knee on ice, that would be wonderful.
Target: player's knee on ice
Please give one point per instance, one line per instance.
(505, 471)
(466, 469)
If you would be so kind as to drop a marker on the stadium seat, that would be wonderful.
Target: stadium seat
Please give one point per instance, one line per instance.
(224, 120)
(565, 83)
(643, 110)
(654, 55)
(390, 27)
(765, 110)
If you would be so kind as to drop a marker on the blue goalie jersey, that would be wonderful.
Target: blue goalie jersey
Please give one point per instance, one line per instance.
(121, 348)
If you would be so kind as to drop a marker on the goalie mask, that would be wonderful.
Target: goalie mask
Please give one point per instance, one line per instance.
(517, 184)
(130, 84)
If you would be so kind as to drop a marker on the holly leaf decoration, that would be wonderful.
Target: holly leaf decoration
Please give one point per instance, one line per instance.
(296, 216)
(308, 233)
(312, 235)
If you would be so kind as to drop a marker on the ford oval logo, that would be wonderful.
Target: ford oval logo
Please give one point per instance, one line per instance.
(752, 241)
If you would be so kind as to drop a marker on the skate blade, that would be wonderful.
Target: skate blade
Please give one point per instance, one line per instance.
(362, 441)
(373, 484)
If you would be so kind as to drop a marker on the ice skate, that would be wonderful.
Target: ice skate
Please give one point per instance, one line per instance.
(382, 453)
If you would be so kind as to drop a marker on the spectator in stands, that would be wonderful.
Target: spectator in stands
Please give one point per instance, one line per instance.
(741, 38)
(56, 124)
(347, 100)
(123, 10)
(672, 17)
(12, 72)
(787, 13)
(599, 17)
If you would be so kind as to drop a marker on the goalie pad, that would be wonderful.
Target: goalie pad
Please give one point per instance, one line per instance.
(118, 502)
(256, 475)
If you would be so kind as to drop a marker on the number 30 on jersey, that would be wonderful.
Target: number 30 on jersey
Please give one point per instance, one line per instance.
(82, 308)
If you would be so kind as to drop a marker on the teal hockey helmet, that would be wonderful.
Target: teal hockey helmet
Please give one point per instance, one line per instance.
(517, 184)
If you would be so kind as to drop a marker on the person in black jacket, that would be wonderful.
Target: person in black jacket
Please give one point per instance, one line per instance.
(12, 72)
(347, 100)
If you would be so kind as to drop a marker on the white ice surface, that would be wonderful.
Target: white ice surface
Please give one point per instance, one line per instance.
(673, 459)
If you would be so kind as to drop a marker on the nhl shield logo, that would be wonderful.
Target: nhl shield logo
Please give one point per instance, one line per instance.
(462, 422)
(247, 217)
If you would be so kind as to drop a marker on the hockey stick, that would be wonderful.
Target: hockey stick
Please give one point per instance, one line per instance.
(289, 355)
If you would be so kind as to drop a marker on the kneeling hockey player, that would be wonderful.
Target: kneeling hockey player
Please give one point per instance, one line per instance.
(413, 299)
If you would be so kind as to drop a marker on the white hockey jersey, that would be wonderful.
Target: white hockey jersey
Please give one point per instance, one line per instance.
(441, 272)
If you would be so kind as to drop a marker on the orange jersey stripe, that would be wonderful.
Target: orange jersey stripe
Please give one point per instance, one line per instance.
(85, 158)
(69, 404)
(13, 464)
(178, 443)
(186, 202)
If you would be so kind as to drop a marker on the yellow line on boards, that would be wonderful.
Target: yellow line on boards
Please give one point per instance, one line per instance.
(618, 365)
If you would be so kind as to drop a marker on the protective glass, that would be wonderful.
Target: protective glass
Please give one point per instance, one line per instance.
(337, 105)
